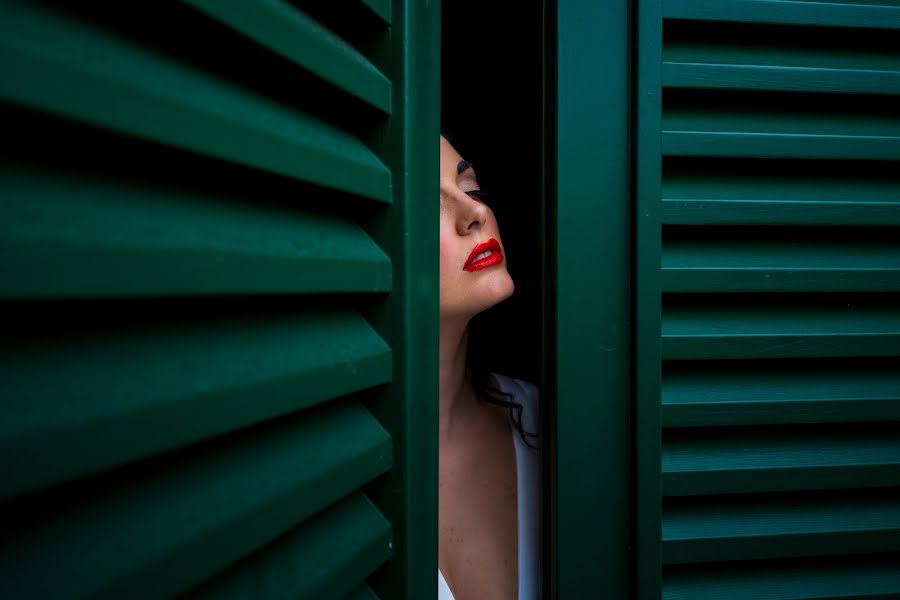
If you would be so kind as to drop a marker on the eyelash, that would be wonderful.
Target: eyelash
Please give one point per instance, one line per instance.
(479, 195)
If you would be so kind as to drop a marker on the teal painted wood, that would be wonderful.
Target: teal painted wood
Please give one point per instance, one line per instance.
(787, 78)
(780, 212)
(774, 58)
(775, 261)
(408, 319)
(69, 237)
(177, 348)
(780, 145)
(770, 131)
(647, 289)
(321, 559)
(60, 422)
(745, 330)
(874, 577)
(731, 126)
(164, 528)
(749, 527)
(779, 331)
(67, 67)
(779, 459)
(591, 300)
(712, 395)
(290, 33)
(844, 122)
(382, 8)
(760, 197)
(363, 592)
(867, 15)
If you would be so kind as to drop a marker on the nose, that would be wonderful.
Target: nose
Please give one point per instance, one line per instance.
(472, 215)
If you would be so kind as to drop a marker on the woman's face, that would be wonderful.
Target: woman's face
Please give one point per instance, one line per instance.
(473, 261)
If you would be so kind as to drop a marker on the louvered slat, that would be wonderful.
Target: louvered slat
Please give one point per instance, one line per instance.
(778, 145)
(67, 67)
(779, 272)
(295, 36)
(696, 461)
(187, 363)
(382, 8)
(776, 261)
(769, 131)
(323, 558)
(363, 592)
(716, 395)
(869, 577)
(59, 424)
(745, 330)
(679, 72)
(180, 521)
(757, 528)
(868, 15)
(782, 199)
(774, 61)
(65, 237)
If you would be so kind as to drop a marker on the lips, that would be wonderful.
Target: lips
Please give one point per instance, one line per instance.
(483, 256)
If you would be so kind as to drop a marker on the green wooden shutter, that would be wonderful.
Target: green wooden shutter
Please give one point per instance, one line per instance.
(590, 523)
(214, 251)
(768, 321)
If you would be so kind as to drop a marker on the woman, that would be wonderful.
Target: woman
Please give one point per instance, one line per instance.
(488, 545)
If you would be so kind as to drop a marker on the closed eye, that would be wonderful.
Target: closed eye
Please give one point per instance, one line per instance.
(478, 195)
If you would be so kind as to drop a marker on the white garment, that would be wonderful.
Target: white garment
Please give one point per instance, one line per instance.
(529, 493)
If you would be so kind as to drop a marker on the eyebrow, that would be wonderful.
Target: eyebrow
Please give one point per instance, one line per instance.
(462, 166)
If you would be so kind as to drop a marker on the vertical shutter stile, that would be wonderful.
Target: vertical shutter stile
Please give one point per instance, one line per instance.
(588, 191)
(779, 277)
(193, 196)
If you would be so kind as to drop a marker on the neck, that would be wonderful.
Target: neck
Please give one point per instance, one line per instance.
(455, 395)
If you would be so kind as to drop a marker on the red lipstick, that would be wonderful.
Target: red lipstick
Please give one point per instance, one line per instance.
(477, 262)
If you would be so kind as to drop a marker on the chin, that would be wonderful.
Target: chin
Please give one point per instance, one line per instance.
(510, 287)
(489, 292)
(499, 289)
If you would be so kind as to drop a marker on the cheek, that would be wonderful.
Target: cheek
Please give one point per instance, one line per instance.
(491, 222)
(445, 259)
(447, 281)
(446, 250)
(491, 228)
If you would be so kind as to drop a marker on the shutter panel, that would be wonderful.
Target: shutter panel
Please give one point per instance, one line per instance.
(769, 446)
(208, 301)
(589, 224)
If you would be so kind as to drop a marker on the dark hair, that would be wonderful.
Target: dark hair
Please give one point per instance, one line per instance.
(486, 391)
(478, 366)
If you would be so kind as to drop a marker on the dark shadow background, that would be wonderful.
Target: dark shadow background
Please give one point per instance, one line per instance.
(491, 105)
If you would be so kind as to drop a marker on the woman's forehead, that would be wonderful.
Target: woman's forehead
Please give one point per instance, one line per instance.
(448, 152)
(450, 158)
(452, 164)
